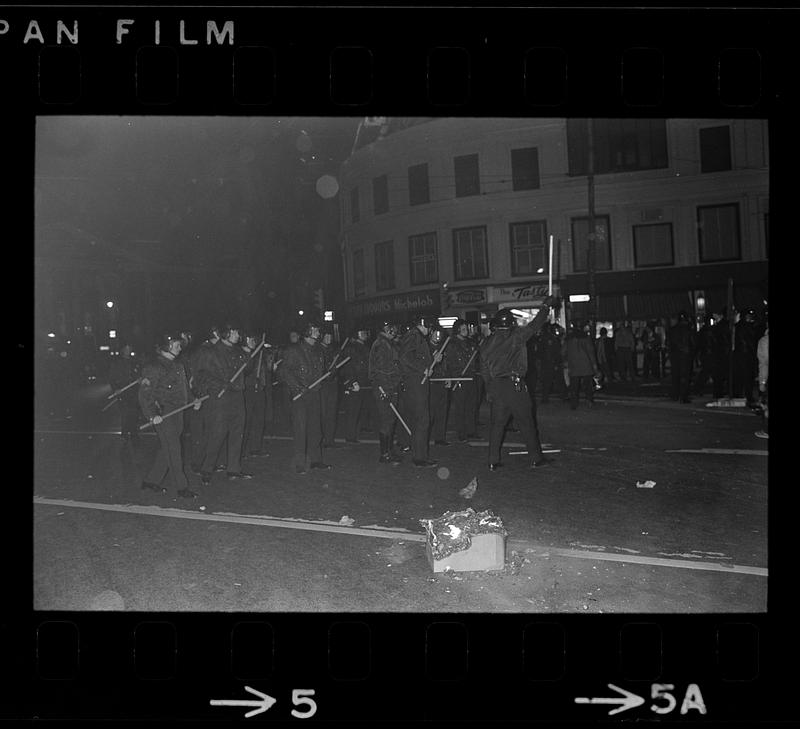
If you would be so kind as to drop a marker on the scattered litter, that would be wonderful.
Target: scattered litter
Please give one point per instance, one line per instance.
(237, 584)
(115, 545)
(469, 490)
(90, 476)
(324, 485)
(60, 513)
(645, 484)
(202, 508)
(347, 521)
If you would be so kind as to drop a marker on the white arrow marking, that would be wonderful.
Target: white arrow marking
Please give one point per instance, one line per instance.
(628, 700)
(265, 703)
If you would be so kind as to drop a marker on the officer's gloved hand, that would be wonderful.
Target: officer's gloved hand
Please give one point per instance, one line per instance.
(197, 403)
(356, 387)
(448, 384)
(156, 420)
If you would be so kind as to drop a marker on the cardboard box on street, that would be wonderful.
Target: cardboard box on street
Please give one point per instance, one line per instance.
(486, 552)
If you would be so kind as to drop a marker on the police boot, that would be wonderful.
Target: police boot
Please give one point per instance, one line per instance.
(386, 452)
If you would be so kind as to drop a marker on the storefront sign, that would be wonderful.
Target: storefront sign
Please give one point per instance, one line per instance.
(469, 297)
(523, 292)
(419, 302)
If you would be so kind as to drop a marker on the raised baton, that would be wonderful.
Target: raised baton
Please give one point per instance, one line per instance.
(239, 371)
(434, 363)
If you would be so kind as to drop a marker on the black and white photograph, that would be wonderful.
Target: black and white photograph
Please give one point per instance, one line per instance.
(351, 364)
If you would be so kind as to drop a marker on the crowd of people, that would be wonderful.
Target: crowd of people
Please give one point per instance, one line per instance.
(211, 402)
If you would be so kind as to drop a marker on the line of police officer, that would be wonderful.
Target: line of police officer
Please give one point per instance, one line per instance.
(226, 387)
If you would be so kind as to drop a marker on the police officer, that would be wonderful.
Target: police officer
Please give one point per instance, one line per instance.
(124, 370)
(745, 356)
(461, 353)
(329, 392)
(200, 426)
(415, 360)
(355, 376)
(503, 367)
(384, 375)
(164, 387)
(226, 413)
(256, 376)
(440, 391)
(550, 362)
(682, 342)
(302, 365)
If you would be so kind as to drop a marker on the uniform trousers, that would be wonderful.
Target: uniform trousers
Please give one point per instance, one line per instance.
(507, 401)
(745, 369)
(627, 369)
(401, 435)
(578, 383)
(329, 403)
(307, 429)
(225, 418)
(254, 405)
(681, 363)
(463, 408)
(386, 418)
(418, 407)
(168, 458)
(129, 410)
(354, 404)
(439, 402)
(198, 429)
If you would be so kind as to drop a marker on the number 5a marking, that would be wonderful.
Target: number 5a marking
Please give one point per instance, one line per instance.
(301, 697)
(691, 700)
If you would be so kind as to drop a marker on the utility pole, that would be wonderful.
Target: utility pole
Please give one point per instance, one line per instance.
(591, 240)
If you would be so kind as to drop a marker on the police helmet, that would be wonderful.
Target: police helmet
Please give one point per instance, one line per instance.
(389, 328)
(429, 322)
(458, 323)
(166, 340)
(312, 329)
(504, 319)
(435, 335)
(227, 328)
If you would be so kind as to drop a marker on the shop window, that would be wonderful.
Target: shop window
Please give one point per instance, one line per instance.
(525, 168)
(718, 233)
(652, 245)
(467, 175)
(602, 247)
(715, 149)
(470, 253)
(620, 145)
(359, 283)
(380, 195)
(384, 265)
(528, 248)
(423, 259)
(418, 187)
(355, 210)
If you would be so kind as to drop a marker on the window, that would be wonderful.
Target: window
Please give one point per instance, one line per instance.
(418, 188)
(528, 248)
(718, 232)
(715, 149)
(384, 265)
(359, 284)
(422, 258)
(470, 253)
(467, 175)
(525, 168)
(380, 195)
(355, 211)
(580, 231)
(652, 245)
(620, 145)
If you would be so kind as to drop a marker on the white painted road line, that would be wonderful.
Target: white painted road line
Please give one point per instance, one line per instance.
(384, 533)
(722, 451)
(86, 432)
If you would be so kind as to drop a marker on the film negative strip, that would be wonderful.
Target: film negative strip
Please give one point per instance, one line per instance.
(263, 599)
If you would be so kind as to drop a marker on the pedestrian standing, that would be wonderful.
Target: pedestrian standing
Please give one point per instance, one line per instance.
(461, 359)
(329, 391)
(384, 376)
(604, 346)
(165, 387)
(355, 377)
(440, 391)
(257, 378)
(651, 366)
(682, 344)
(763, 383)
(550, 363)
(704, 356)
(226, 410)
(581, 359)
(415, 361)
(625, 346)
(123, 371)
(503, 368)
(745, 356)
(302, 366)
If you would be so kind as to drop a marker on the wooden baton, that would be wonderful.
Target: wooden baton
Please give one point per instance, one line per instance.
(176, 410)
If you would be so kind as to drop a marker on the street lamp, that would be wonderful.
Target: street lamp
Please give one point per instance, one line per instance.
(110, 304)
(300, 312)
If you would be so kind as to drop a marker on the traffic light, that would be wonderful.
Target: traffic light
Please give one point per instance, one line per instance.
(319, 299)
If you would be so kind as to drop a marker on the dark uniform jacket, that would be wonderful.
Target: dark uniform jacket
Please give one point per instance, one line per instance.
(214, 367)
(255, 380)
(682, 339)
(357, 369)
(329, 353)
(384, 366)
(505, 354)
(415, 354)
(164, 386)
(302, 364)
(457, 355)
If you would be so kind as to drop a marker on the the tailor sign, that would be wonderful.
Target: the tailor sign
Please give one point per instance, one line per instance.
(522, 292)
(420, 301)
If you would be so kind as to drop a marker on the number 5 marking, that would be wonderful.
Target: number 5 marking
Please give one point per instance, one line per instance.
(299, 697)
(660, 691)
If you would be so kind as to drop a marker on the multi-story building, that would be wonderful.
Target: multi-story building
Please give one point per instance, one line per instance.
(454, 216)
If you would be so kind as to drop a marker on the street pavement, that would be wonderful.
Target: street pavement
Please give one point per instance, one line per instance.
(583, 537)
